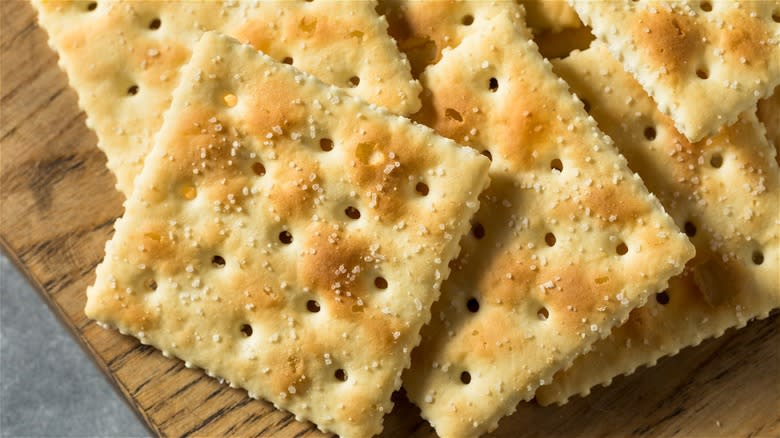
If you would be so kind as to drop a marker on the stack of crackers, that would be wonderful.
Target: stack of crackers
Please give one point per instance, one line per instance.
(328, 200)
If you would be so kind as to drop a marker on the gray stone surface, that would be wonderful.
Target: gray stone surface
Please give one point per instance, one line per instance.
(48, 384)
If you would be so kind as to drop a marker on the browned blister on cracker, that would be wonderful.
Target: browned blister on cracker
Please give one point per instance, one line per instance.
(724, 191)
(566, 242)
(703, 62)
(287, 237)
(123, 58)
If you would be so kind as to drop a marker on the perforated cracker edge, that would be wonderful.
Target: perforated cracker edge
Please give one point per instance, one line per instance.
(584, 392)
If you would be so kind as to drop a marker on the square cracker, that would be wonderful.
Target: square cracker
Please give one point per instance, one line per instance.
(566, 242)
(123, 58)
(724, 191)
(703, 62)
(287, 237)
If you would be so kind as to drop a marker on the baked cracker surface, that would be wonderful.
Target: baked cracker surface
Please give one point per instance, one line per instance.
(287, 237)
(566, 242)
(123, 58)
(724, 191)
(703, 62)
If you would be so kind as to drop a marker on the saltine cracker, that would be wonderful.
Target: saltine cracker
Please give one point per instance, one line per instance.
(724, 191)
(567, 240)
(287, 237)
(703, 62)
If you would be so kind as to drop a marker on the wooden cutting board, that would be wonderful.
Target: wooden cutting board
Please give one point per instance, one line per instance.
(58, 206)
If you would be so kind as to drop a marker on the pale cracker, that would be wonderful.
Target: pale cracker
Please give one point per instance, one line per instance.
(123, 58)
(724, 191)
(287, 237)
(769, 115)
(567, 240)
(703, 62)
(549, 15)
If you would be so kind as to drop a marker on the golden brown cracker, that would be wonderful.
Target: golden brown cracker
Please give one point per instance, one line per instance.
(287, 237)
(703, 62)
(724, 191)
(567, 240)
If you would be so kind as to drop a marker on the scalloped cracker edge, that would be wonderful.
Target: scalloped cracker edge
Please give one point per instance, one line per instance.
(561, 44)
(287, 237)
(549, 16)
(424, 29)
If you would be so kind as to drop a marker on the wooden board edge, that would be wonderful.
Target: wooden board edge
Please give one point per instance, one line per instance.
(81, 341)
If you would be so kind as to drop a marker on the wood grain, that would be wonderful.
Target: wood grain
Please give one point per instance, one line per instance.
(58, 208)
